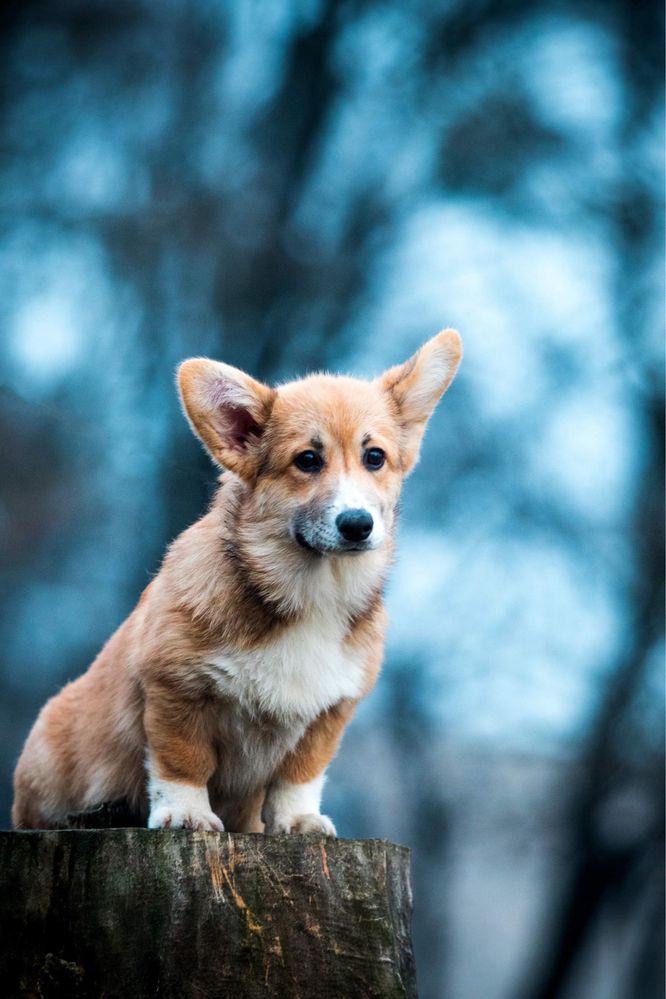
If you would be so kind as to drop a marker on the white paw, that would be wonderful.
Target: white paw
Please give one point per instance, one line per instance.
(175, 805)
(310, 823)
(166, 817)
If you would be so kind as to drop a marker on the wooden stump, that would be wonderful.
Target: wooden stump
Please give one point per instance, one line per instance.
(133, 913)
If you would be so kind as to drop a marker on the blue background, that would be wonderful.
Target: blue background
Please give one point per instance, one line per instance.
(297, 186)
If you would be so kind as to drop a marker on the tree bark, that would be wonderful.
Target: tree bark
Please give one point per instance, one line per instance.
(173, 913)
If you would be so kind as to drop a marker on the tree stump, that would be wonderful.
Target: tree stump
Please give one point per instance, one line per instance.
(133, 913)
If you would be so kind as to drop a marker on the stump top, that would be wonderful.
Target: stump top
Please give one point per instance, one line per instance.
(178, 913)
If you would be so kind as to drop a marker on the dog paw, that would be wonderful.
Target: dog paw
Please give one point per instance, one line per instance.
(165, 817)
(310, 823)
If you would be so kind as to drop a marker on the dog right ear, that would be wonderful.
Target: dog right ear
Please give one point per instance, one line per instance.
(227, 410)
(415, 387)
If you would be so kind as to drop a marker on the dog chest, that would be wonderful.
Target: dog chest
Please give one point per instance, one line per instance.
(299, 674)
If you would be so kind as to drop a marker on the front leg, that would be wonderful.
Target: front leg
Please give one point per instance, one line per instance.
(180, 762)
(293, 800)
(295, 808)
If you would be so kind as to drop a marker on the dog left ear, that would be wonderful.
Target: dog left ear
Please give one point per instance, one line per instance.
(227, 410)
(416, 386)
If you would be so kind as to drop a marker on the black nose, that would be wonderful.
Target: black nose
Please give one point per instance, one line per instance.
(354, 525)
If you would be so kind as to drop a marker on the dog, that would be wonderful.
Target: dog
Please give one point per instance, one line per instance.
(221, 700)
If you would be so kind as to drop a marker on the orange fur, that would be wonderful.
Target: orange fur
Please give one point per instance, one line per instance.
(318, 746)
(245, 657)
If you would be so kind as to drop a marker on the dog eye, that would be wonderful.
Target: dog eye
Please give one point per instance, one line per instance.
(309, 461)
(374, 458)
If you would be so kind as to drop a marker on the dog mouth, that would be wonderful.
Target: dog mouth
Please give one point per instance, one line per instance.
(343, 549)
(305, 544)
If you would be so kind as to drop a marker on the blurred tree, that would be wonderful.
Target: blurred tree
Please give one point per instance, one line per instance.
(307, 185)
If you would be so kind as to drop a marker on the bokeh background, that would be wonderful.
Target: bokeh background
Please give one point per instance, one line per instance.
(290, 186)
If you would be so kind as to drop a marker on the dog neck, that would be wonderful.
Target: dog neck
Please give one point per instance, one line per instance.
(296, 582)
(241, 579)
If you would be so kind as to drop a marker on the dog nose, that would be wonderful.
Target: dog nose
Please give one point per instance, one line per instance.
(354, 525)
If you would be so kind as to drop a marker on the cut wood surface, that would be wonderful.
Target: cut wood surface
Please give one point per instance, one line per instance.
(172, 913)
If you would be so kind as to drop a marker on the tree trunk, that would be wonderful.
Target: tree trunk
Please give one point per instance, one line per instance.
(172, 913)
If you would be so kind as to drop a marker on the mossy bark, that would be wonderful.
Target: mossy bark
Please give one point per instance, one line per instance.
(178, 914)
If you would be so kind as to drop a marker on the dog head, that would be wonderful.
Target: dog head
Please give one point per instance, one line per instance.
(323, 457)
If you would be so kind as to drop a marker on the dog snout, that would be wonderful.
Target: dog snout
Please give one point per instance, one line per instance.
(354, 525)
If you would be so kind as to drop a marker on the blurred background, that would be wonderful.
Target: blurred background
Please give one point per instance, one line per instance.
(294, 186)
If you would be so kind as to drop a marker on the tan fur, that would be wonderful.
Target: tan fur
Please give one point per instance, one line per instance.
(245, 657)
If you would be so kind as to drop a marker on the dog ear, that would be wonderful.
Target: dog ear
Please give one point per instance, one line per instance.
(227, 410)
(416, 386)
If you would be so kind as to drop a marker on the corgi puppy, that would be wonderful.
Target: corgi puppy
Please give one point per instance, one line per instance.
(221, 700)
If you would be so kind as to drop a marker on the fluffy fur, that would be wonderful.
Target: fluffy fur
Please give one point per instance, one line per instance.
(222, 698)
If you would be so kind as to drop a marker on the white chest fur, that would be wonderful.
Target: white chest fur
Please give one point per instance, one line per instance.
(303, 671)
